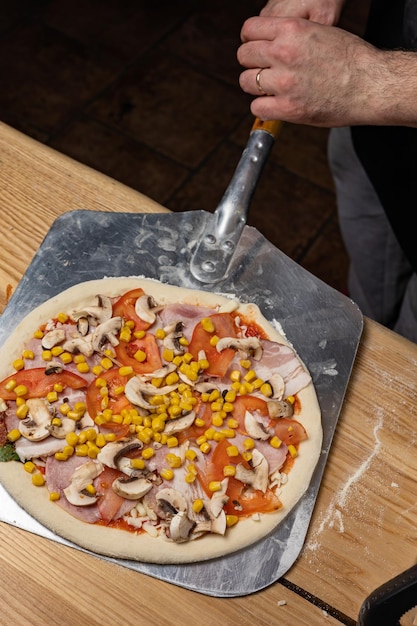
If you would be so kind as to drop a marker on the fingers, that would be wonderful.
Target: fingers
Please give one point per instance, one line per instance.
(259, 28)
(256, 82)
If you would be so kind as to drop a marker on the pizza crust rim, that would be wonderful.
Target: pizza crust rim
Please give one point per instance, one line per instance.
(116, 543)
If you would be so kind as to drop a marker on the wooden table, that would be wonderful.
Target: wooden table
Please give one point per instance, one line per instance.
(364, 527)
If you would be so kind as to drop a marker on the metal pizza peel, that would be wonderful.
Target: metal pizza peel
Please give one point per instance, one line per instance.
(323, 325)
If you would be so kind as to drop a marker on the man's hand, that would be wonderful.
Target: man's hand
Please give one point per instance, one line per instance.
(321, 11)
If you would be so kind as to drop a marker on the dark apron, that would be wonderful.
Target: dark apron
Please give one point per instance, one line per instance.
(389, 153)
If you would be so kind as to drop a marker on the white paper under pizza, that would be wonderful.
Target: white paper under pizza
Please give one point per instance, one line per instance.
(141, 546)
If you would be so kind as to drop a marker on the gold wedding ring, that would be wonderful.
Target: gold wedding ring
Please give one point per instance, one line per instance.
(258, 82)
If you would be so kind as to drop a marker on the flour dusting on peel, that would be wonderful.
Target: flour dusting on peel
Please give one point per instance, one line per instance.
(333, 517)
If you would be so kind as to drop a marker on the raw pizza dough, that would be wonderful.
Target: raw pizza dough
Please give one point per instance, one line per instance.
(118, 543)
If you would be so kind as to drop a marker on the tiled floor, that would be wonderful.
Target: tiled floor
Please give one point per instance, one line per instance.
(148, 93)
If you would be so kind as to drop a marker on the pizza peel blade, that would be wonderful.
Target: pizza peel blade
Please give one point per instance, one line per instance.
(85, 245)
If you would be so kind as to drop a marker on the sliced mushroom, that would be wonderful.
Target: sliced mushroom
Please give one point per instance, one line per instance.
(96, 313)
(107, 332)
(181, 527)
(163, 371)
(136, 388)
(83, 326)
(249, 346)
(219, 499)
(54, 367)
(144, 308)
(132, 488)
(178, 424)
(60, 432)
(53, 338)
(215, 525)
(280, 408)
(112, 453)
(170, 502)
(257, 477)
(255, 429)
(174, 332)
(82, 345)
(83, 476)
(277, 385)
(34, 425)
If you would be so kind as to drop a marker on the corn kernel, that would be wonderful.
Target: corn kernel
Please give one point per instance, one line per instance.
(160, 333)
(29, 467)
(245, 363)
(140, 356)
(231, 520)
(83, 368)
(229, 433)
(214, 485)
(54, 496)
(172, 442)
(71, 439)
(106, 363)
(57, 350)
(52, 396)
(229, 470)
(46, 355)
(22, 411)
(232, 451)
(248, 444)
(38, 479)
(68, 450)
(18, 364)
(190, 478)
(91, 489)
(168, 355)
(250, 376)
(62, 317)
(292, 450)
(197, 505)
(137, 463)
(38, 334)
(126, 370)
(81, 449)
(228, 407)
(217, 419)
(64, 408)
(205, 447)
(20, 390)
(230, 396)
(275, 442)
(66, 358)
(13, 435)
(60, 456)
(191, 455)
(139, 334)
(266, 389)
(214, 340)
(148, 453)
(173, 460)
(166, 473)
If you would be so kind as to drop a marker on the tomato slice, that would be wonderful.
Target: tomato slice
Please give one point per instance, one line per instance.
(116, 402)
(125, 307)
(219, 361)
(39, 384)
(109, 501)
(125, 352)
(242, 501)
(253, 404)
(288, 430)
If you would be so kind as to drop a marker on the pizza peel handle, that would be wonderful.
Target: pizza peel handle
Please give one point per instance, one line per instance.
(216, 245)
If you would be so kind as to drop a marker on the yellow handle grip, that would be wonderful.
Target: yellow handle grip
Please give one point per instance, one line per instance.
(270, 126)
